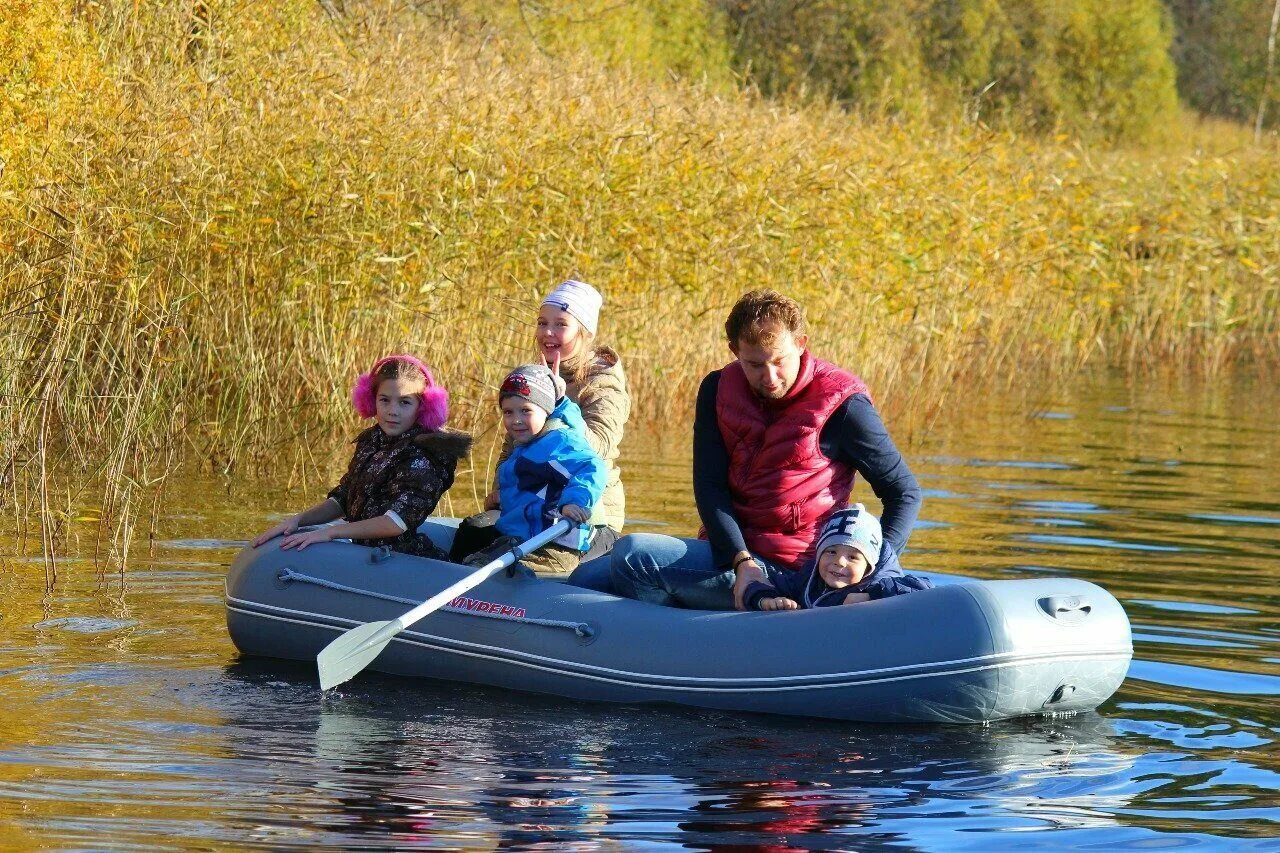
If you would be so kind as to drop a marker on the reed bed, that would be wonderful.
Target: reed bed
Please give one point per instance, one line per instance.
(249, 208)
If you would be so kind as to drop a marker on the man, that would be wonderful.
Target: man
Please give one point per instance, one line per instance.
(777, 439)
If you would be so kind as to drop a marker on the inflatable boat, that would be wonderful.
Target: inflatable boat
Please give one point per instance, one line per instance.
(967, 652)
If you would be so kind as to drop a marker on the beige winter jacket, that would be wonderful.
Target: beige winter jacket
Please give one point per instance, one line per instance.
(605, 405)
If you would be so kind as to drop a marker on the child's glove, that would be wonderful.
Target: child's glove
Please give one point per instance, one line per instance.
(756, 593)
(485, 556)
(573, 512)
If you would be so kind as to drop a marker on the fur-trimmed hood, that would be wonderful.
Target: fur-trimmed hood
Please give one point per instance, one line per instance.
(447, 443)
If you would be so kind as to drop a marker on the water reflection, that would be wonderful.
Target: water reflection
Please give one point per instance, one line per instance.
(400, 763)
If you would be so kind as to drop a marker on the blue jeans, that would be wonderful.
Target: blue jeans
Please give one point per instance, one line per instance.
(593, 574)
(593, 571)
(675, 572)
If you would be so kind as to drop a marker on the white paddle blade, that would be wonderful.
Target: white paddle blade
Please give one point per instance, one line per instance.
(352, 651)
(356, 649)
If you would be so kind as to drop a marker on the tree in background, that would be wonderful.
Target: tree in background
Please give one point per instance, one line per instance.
(1221, 54)
(1098, 67)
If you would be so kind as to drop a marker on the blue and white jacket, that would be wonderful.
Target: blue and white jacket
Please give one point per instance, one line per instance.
(557, 467)
(807, 588)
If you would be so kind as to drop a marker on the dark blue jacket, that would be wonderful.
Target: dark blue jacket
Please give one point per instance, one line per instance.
(807, 588)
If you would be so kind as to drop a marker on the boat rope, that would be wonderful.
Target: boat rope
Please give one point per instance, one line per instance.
(582, 629)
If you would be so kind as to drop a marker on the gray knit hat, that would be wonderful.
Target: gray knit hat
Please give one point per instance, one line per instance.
(532, 382)
(856, 528)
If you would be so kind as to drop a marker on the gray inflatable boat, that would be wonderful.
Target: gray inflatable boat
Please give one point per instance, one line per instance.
(968, 652)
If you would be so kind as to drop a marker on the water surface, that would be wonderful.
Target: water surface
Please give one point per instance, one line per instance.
(130, 723)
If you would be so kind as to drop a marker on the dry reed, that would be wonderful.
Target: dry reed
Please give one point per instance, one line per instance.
(249, 211)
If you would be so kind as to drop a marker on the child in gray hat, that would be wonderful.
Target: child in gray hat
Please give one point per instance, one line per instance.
(551, 472)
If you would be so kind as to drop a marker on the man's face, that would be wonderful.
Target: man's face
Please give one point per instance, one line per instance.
(772, 364)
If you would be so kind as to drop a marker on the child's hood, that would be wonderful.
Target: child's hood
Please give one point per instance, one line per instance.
(450, 444)
(568, 413)
(888, 567)
(553, 425)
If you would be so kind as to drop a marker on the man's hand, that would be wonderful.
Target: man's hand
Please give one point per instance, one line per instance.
(492, 500)
(778, 603)
(302, 540)
(747, 573)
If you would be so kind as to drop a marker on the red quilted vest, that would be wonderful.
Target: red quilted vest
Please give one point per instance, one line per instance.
(782, 485)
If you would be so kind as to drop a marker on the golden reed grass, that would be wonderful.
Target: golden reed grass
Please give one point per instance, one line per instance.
(249, 206)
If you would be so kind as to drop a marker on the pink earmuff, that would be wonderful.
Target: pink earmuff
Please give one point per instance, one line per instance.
(434, 410)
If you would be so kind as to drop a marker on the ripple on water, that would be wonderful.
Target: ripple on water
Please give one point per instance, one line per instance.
(1189, 727)
(1190, 606)
(1070, 507)
(203, 544)
(1027, 464)
(1205, 679)
(85, 624)
(1236, 519)
(1178, 639)
(1058, 522)
(1101, 542)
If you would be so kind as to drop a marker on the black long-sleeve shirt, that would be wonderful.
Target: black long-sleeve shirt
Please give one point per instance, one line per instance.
(854, 434)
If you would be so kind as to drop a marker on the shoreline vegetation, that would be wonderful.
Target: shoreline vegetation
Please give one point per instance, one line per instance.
(213, 215)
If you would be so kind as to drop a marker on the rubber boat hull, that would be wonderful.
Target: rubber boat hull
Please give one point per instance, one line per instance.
(968, 652)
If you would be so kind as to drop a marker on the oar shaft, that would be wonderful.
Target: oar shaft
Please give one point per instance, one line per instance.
(481, 575)
(446, 595)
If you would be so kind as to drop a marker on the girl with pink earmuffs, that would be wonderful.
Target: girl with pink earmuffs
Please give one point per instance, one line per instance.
(401, 466)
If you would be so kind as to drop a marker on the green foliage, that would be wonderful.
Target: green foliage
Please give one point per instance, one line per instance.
(1090, 66)
(683, 37)
(1221, 55)
(1116, 72)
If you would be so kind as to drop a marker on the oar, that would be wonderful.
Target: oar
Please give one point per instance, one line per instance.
(353, 650)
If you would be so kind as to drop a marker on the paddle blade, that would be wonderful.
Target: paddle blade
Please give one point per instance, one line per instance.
(352, 651)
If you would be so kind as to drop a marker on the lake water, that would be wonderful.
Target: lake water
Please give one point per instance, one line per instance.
(129, 722)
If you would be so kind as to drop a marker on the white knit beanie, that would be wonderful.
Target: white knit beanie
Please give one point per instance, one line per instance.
(580, 299)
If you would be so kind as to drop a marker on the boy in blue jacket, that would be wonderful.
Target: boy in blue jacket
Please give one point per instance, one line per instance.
(853, 564)
(552, 471)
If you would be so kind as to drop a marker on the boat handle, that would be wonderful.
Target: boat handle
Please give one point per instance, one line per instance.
(1068, 608)
(380, 554)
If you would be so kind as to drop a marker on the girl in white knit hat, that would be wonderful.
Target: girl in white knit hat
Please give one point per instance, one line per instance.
(565, 339)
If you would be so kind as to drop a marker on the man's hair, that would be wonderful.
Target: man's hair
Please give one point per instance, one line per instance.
(761, 308)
